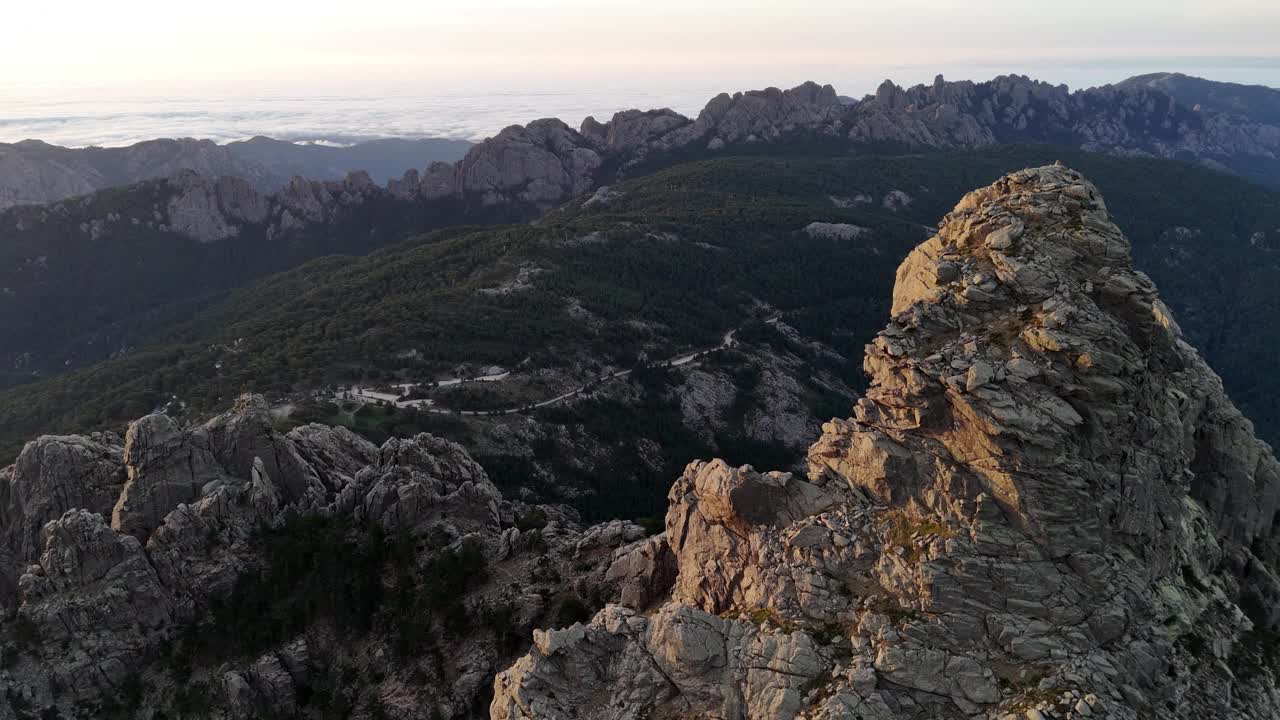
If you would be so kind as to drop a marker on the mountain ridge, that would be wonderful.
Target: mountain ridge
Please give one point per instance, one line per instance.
(546, 161)
(557, 162)
(1260, 102)
(179, 243)
(36, 172)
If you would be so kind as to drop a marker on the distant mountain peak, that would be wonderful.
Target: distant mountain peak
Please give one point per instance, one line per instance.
(35, 172)
(1257, 104)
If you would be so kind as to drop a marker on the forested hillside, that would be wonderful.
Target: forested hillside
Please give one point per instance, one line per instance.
(671, 262)
(96, 276)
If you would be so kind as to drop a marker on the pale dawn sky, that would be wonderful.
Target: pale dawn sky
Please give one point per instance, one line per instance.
(330, 45)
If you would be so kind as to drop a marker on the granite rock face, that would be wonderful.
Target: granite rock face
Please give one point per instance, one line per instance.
(170, 466)
(120, 559)
(545, 162)
(53, 475)
(539, 163)
(212, 209)
(1045, 506)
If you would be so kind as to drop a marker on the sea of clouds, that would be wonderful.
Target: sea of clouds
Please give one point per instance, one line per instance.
(97, 116)
(325, 119)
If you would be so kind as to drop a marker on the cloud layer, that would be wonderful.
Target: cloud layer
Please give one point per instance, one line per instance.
(107, 117)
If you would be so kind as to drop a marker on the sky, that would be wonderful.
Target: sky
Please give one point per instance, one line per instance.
(315, 46)
(113, 72)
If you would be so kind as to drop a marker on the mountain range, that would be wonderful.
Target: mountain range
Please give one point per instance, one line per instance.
(33, 172)
(546, 162)
(519, 173)
(1229, 126)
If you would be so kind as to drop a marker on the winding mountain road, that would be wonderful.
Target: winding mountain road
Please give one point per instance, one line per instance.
(364, 395)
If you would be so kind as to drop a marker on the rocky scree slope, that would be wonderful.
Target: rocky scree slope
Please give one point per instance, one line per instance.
(231, 571)
(1045, 506)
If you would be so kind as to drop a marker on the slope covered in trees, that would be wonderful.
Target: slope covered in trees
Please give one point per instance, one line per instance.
(672, 261)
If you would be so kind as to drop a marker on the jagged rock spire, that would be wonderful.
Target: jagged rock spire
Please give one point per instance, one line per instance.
(1045, 502)
(1027, 347)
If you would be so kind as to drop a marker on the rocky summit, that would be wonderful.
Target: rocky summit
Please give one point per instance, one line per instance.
(1044, 507)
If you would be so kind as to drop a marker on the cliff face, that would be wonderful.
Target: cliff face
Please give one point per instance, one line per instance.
(1045, 506)
(233, 571)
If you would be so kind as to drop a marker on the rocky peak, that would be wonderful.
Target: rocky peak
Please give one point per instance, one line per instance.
(889, 94)
(1045, 506)
(168, 465)
(770, 114)
(213, 208)
(1025, 312)
(546, 162)
(53, 474)
(539, 163)
(118, 557)
(632, 129)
